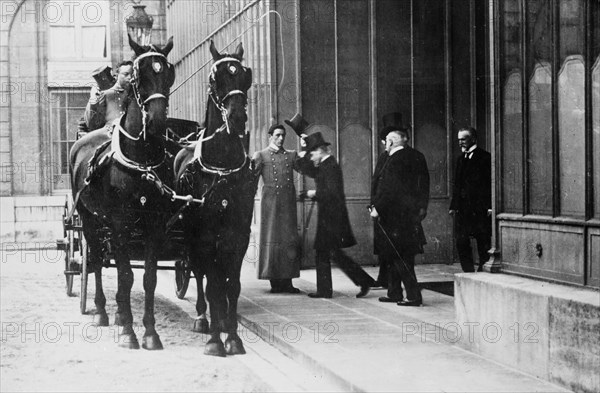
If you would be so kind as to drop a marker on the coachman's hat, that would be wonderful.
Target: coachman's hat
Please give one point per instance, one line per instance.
(391, 122)
(103, 77)
(314, 141)
(298, 124)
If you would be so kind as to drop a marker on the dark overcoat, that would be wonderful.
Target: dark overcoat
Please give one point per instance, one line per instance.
(279, 241)
(402, 190)
(333, 225)
(378, 237)
(472, 189)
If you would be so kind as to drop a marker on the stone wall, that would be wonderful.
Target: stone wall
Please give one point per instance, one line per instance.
(548, 330)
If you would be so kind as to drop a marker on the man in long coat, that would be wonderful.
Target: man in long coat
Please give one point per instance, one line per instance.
(472, 200)
(390, 119)
(333, 225)
(400, 204)
(279, 259)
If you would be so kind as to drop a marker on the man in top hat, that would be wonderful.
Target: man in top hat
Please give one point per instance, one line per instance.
(393, 119)
(105, 106)
(279, 259)
(400, 204)
(333, 225)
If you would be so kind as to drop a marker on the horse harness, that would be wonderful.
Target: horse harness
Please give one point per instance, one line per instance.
(100, 161)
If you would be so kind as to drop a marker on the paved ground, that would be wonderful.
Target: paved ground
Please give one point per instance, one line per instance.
(340, 344)
(47, 345)
(366, 345)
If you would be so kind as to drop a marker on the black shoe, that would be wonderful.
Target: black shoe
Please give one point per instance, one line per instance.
(290, 289)
(276, 290)
(410, 303)
(364, 291)
(319, 295)
(386, 299)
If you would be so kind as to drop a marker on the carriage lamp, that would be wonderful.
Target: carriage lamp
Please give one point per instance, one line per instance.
(139, 25)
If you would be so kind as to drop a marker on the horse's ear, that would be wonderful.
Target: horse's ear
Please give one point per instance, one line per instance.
(134, 45)
(239, 51)
(215, 53)
(167, 48)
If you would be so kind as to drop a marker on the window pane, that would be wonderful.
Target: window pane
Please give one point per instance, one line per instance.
(430, 91)
(94, 41)
(595, 10)
(571, 109)
(539, 57)
(512, 108)
(62, 41)
(67, 107)
(571, 138)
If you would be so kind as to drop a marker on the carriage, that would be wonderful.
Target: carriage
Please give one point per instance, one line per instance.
(76, 249)
(139, 193)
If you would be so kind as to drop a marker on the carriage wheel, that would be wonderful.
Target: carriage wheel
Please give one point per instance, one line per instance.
(68, 246)
(69, 263)
(182, 278)
(83, 250)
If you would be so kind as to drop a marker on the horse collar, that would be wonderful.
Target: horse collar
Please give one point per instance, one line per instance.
(118, 155)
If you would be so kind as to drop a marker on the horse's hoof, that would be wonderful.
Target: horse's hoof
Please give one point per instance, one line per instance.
(128, 341)
(201, 326)
(152, 342)
(101, 318)
(215, 348)
(234, 346)
(118, 320)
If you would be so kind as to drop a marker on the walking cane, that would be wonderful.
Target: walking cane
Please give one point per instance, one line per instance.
(310, 210)
(395, 249)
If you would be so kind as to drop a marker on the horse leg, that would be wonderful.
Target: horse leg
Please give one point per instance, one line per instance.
(124, 318)
(200, 323)
(95, 266)
(151, 340)
(233, 343)
(215, 291)
(101, 317)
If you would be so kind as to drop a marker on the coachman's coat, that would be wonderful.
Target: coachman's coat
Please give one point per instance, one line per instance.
(279, 257)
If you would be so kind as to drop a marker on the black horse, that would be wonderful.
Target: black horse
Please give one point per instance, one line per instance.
(218, 170)
(111, 174)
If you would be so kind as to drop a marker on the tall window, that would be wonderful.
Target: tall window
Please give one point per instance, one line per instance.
(66, 109)
(544, 47)
(78, 29)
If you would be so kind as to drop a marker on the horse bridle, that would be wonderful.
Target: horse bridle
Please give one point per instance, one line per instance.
(136, 88)
(219, 102)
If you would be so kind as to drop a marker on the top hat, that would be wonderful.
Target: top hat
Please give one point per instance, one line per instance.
(298, 124)
(103, 77)
(391, 122)
(314, 141)
(275, 127)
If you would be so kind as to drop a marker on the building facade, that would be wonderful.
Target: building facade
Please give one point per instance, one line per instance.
(48, 52)
(525, 74)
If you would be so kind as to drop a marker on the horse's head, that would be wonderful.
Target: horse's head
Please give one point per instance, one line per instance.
(229, 83)
(152, 78)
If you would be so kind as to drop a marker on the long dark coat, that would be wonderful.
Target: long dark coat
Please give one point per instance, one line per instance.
(472, 190)
(402, 190)
(333, 225)
(378, 237)
(279, 241)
